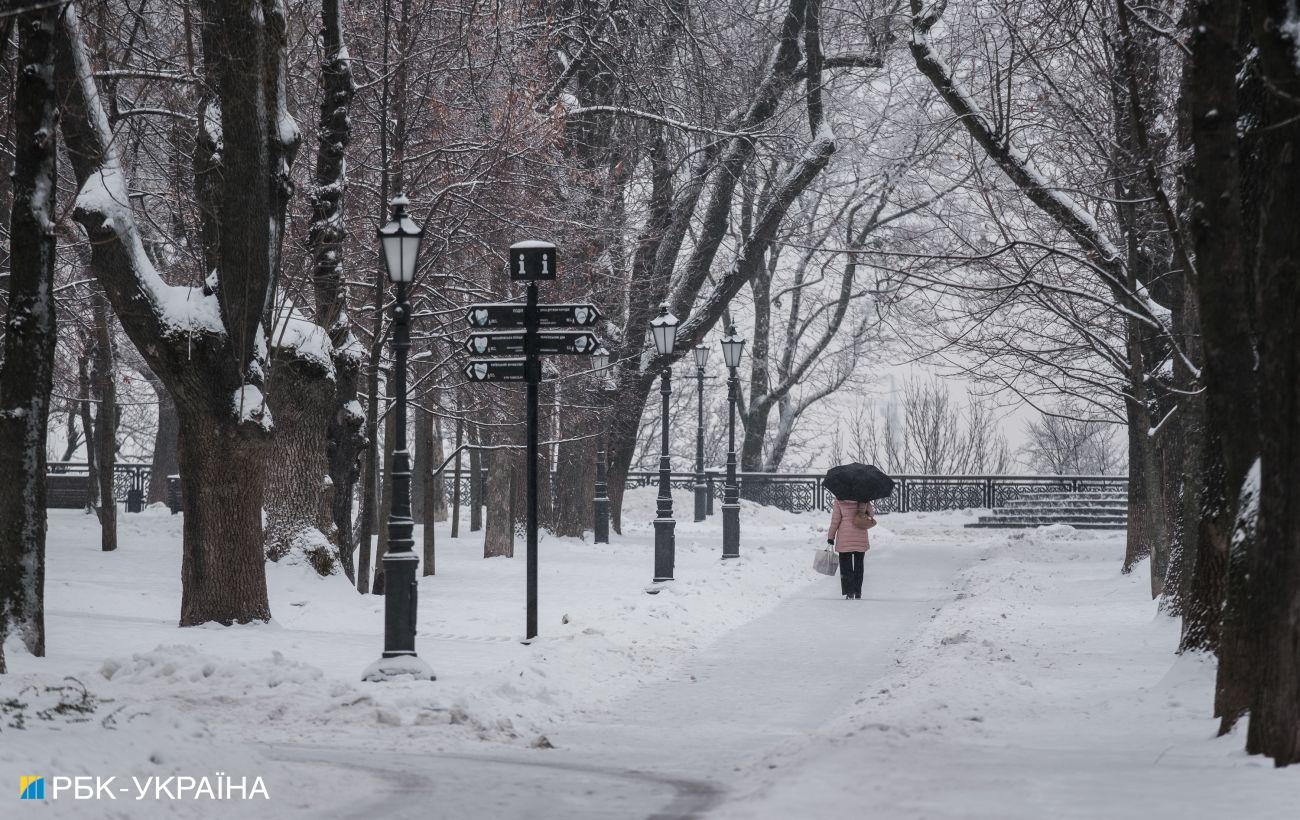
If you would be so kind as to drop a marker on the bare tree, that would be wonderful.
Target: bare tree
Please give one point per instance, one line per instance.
(1063, 444)
(205, 345)
(26, 373)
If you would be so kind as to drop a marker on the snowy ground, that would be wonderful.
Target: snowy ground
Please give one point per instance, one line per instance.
(983, 674)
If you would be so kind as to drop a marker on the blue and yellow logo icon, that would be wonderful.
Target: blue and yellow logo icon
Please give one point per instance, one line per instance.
(31, 788)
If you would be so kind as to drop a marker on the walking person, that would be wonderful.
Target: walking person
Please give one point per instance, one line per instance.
(850, 521)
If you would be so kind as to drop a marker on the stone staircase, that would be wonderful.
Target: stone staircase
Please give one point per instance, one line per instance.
(1089, 510)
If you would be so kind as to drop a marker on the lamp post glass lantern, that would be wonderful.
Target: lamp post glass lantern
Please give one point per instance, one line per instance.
(701, 481)
(664, 329)
(400, 242)
(600, 503)
(732, 348)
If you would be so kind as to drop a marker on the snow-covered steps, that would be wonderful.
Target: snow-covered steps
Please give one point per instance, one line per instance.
(1089, 510)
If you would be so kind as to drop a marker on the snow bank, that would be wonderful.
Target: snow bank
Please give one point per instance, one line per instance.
(184, 696)
(1048, 687)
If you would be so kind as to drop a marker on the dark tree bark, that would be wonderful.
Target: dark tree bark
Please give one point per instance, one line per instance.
(84, 407)
(299, 492)
(207, 352)
(1273, 583)
(71, 435)
(1225, 298)
(26, 373)
(345, 430)
(106, 415)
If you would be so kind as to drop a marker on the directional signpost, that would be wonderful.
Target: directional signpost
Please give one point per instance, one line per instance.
(511, 315)
(497, 370)
(549, 343)
(509, 329)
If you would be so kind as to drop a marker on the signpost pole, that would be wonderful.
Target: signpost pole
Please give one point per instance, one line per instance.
(701, 482)
(601, 502)
(533, 374)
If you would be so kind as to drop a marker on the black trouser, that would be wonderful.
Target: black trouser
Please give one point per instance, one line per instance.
(851, 573)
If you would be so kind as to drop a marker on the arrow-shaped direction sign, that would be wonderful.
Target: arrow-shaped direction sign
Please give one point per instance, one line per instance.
(566, 342)
(549, 342)
(509, 315)
(497, 370)
(509, 342)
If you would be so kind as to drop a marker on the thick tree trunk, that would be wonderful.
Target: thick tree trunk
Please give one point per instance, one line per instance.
(345, 439)
(753, 438)
(1274, 562)
(105, 378)
(26, 374)
(1225, 295)
(223, 568)
(164, 461)
(210, 358)
(299, 492)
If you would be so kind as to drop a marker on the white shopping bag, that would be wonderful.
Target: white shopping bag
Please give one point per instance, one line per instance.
(827, 562)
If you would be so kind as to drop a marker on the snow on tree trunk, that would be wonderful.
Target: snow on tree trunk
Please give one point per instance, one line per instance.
(26, 375)
(345, 438)
(299, 493)
(207, 345)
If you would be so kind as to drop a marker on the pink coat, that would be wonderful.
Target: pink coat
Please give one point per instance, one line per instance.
(847, 537)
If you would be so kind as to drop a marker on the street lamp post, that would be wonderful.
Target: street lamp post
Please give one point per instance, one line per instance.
(732, 348)
(400, 242)
(599, 363)
(701, 481)
(664, 329)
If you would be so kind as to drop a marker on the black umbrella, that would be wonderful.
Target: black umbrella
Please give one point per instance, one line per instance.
(858, 482)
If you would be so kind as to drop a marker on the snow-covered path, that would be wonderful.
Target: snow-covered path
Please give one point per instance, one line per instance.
(983, 676)
(669, 748)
